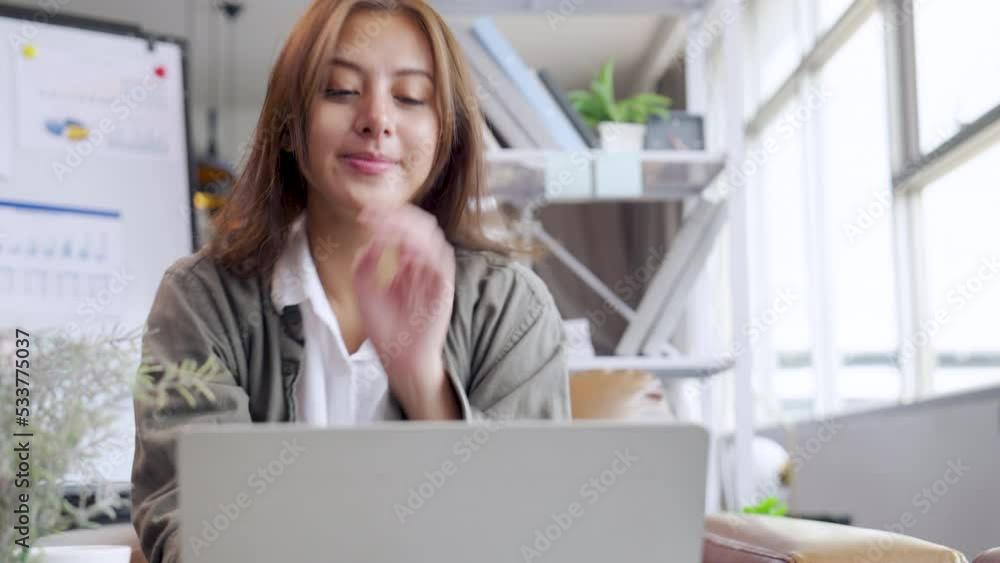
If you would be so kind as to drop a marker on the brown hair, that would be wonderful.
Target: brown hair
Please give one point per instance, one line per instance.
(271, 189)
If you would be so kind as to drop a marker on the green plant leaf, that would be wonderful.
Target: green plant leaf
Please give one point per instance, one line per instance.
(651, 99)
(598, 104)
(770, 506)
(589, 106)
(638, 108)
(604, 87)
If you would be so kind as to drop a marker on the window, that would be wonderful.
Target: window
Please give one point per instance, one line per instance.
(829, 11)
(831, 182)
(963, 249)
(958, 65)
(855, 170)
(776, 42)
(782, 311)
(715, 125)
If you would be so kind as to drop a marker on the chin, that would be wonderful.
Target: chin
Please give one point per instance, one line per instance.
(378, 194)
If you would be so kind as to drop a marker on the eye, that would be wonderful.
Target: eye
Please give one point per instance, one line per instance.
(339, 93)
(410, 101)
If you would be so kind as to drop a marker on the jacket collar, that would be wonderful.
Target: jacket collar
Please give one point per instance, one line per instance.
(294, 270)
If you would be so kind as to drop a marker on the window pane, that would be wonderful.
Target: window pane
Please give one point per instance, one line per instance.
(829, 11)
(958, 64)
(776, 42)
(796, 388)
(715, 121)
(963, 246)
(855, 168)
(781, 311)
(784, 231)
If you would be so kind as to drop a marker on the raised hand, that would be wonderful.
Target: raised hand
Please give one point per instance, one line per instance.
(407, 314)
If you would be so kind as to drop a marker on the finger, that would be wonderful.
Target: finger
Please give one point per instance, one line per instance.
(426, 281)
(417, 248)
(403, 283)
(420, 246)
(435, 260)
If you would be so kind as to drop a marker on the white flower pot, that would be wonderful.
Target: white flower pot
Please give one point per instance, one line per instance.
(621, 137)
(83, 553)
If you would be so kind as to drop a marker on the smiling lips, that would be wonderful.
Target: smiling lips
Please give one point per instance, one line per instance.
(370, 163)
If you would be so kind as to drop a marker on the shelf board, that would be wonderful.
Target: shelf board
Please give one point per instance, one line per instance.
(519, 175)
(482, 7)
(662, 367)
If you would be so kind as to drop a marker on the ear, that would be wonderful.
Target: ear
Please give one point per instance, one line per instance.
(286, 140)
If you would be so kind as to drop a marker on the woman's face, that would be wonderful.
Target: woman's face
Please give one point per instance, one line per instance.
(373, 128)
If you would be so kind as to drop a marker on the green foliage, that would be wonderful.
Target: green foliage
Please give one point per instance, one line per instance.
(770, 506)
(78, 387)
(598, 104)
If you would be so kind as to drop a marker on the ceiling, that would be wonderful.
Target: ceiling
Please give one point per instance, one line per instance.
(571, 49)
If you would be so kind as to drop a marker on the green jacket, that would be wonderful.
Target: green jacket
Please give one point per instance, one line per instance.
(505, 353)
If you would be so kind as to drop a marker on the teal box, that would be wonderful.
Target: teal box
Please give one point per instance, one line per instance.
(618, 175)
(568, 175)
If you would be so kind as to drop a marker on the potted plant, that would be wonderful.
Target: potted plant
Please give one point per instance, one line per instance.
(78, 384)
(621, 125)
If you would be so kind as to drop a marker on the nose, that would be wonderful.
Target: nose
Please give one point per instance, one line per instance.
(375, 116)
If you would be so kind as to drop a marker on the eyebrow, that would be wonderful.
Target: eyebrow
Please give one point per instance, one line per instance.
(337, 61)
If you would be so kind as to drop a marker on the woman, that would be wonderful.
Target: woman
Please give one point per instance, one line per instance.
(353, 226)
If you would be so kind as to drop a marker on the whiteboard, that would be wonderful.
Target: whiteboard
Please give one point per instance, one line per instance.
(94, 177)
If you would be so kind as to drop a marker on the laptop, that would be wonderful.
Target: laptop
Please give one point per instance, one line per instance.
(438, 492)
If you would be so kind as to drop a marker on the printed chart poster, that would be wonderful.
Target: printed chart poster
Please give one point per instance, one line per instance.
(6, 145)
(60, 264)
(117, 106)
(6, 117)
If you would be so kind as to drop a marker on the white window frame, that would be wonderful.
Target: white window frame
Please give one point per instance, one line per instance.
(815, 51)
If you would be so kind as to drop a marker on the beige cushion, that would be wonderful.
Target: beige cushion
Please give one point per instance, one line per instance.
(746, 538)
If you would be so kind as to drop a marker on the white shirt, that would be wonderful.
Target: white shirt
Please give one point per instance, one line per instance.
(334, 387)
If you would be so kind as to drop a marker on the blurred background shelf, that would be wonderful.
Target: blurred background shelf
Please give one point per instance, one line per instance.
(662, 367)
(669, 175)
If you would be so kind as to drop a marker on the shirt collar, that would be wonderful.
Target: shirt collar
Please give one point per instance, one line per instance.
(294, 272)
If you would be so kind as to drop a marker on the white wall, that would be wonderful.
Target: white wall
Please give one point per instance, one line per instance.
(896, 468)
